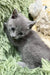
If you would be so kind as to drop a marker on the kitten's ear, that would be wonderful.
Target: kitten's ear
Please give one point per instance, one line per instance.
(4, 27)
(31, 23)
(14, 14)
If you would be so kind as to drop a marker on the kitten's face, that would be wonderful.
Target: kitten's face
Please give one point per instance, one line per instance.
(18, 26)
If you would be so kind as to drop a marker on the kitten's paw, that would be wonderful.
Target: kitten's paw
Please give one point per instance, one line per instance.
(22, 64)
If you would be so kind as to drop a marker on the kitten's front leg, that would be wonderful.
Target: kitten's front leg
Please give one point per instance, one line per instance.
(22, 64)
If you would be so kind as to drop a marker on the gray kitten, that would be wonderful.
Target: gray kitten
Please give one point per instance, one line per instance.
(31, 47)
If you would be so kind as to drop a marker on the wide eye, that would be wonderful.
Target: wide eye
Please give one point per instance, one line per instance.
(13, 29)
(20, 33)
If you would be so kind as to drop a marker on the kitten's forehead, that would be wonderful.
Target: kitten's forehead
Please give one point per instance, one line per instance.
(19, 21)
(10, 22)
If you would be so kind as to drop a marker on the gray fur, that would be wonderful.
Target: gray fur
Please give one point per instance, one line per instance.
(31, 47)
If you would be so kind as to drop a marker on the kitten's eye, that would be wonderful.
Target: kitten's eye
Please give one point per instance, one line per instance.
(13, 29)
(20, 33)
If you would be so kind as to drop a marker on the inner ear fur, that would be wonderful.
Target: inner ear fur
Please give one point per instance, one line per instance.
(14, 14)
(31, 24)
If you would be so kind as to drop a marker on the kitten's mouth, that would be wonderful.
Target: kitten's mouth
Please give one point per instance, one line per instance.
(18, 38)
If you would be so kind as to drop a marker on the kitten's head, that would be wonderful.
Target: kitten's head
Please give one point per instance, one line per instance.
(18, 26)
